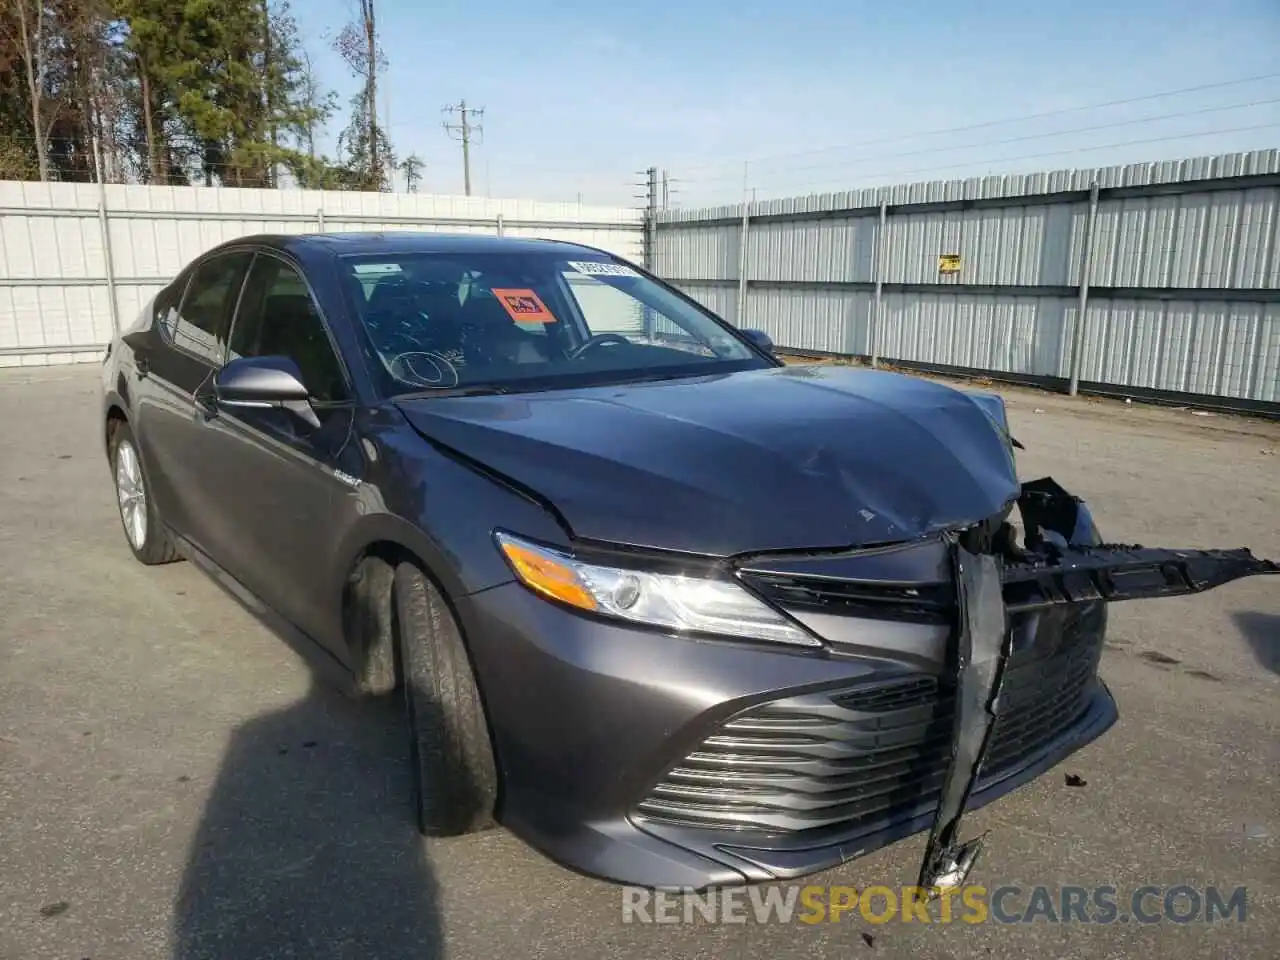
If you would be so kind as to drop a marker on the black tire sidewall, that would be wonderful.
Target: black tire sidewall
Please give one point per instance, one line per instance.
(451, 755)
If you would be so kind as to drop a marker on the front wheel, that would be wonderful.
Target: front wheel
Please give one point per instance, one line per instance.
(455, 782)
(147, 537)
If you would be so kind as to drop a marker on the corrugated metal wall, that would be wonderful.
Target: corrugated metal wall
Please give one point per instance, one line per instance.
(1184, 273)
(54, 262)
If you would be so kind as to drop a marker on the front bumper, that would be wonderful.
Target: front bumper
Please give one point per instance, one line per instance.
(594, 723)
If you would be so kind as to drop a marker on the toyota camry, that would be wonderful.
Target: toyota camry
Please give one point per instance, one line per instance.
(673, 611)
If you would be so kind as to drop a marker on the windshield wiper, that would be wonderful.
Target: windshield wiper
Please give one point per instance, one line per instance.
(654, 378)
(463, 390)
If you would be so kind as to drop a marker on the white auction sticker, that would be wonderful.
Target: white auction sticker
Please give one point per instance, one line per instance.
(595, 268)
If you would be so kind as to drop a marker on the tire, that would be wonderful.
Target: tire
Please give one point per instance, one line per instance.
(147, 537)
(455, 782)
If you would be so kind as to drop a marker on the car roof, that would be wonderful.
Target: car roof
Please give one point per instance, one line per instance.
(396, 242)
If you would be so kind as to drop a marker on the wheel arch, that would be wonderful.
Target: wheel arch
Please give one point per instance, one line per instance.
(115, 417)
(115, 411)
(366, 589)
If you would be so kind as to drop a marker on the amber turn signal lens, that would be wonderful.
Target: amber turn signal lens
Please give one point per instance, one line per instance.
(545, 574)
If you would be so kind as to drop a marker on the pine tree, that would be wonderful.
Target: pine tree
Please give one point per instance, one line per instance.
(412, 167)
(173, 91)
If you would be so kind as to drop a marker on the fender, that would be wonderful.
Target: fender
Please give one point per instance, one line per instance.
(389, 528)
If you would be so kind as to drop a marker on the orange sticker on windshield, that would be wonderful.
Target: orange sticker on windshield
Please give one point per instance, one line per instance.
(524, 306)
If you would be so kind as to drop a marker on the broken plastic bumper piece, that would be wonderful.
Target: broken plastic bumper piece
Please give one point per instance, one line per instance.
(1059, 562)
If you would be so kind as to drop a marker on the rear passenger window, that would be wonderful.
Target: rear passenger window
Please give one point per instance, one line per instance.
(201, 325)
(164, 309)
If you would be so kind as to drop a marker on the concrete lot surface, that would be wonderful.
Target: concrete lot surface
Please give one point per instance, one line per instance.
(173, 784)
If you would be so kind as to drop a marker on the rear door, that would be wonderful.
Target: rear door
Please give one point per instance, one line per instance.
(283, 493)
(174, 365)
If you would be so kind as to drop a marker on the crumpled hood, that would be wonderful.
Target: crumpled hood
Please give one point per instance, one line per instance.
(778, 459)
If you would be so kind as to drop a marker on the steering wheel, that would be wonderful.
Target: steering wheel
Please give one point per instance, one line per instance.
(599, 340)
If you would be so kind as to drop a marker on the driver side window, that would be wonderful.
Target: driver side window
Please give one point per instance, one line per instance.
(277, 317)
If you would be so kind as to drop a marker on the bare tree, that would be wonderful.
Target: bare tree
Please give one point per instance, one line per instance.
(357, 44)
(32, 43)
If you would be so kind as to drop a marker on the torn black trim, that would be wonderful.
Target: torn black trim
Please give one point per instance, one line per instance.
(1060, 561)
(983, 649)
(1116, 572)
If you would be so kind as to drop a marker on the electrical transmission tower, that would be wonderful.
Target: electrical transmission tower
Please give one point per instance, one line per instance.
(466, 130)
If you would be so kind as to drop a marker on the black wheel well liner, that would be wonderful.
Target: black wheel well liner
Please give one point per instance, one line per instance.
(367, 611)
(115, 417)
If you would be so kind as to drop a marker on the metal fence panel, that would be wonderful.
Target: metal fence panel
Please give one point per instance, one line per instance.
(999, 333)
(1220, 349)
(813, 251)
(54, 264)
(1182, 284)
(720, 298)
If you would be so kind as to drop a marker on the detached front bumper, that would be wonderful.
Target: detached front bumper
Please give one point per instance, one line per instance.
(952, 670)
(662, 761)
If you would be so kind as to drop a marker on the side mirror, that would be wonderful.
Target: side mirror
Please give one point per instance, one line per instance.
(264, 383)
(760, 339)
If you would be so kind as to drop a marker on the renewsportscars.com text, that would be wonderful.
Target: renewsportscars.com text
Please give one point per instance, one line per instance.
(814, 904)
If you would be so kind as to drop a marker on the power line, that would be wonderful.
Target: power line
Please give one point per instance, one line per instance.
(1020, 139)
(996, 123)
(795, 188)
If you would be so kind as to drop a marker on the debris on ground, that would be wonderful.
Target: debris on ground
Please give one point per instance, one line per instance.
(1076, 781)
(1256, 831)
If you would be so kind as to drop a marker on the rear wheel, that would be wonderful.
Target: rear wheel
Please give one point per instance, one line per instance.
(146, 535)
(455, 782)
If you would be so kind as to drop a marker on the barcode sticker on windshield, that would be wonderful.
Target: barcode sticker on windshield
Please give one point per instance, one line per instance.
(595, 268)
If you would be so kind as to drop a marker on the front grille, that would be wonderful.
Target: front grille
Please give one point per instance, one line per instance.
(869, 753)
(918, 603)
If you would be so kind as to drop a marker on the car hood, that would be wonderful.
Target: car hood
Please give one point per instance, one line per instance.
(778, 459)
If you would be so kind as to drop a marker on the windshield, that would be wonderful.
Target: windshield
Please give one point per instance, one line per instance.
(529, 321)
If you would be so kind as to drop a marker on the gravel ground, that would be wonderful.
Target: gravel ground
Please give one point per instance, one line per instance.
(174, 785)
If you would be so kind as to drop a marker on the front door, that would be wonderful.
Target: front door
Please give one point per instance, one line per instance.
(282, 490)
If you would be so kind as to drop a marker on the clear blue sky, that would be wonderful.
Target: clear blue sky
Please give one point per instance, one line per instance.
(579, 96)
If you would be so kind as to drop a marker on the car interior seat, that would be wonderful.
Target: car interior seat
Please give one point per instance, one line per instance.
(490, 328)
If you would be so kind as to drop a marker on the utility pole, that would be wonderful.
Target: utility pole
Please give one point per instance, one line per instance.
(464, 130)
(651, 198)
(666, 190)
(371, 88)
(740, 315)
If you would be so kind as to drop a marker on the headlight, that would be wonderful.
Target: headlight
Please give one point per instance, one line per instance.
(685, 604)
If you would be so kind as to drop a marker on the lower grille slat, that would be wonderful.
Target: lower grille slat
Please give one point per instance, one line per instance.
(860, 755)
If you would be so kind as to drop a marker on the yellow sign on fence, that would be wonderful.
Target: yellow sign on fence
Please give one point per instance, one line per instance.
(949, 263)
